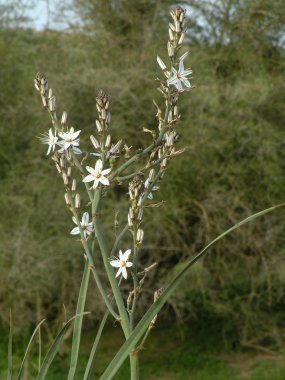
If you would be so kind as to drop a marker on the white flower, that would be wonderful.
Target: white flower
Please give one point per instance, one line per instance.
(69, 139)
(122, 263)
(180, 76)
(50, 139)
(97, 175)
(85, 225)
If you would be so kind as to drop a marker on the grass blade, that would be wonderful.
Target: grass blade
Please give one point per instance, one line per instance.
(53, 350)
(91, 360)
(10, 354)
(27, 350)
(78, 322)
(137, 333)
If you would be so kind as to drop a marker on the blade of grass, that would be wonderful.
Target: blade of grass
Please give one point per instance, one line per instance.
(53, 350)
(40, 348)
(91, 360)
(78, 322)
(141, 327)
(10, 357)
(27, 350)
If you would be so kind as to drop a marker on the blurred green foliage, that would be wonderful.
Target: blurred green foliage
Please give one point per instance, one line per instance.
(232, 124)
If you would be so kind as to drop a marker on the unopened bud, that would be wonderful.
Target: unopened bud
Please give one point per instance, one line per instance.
(170, 50)
(64, 118)
(67, 200)
(108, 141)
(51, 103)
(103, 114)
(161, 63)
(99, 126)
(68, 171)
(181, 39)
(62, 162)
(49, 93)
(95, 142)
(65, 178)
(73, 186)
(140, 214)
(77, 200)
(44, 101)
(171, 37)
(108, 118)
(151, 175)
(58, 167)
(140, 235)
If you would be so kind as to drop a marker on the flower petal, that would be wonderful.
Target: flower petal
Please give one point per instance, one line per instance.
(104, 181)
(98, 166)
(85, 218)
(124, 272)
(115, 263)
(88, 178)
(75, 231)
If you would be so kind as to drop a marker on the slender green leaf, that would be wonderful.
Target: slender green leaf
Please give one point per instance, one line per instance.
(53, 350)
(27, 350)
(10, 354)
(141, 327)
(91, 360)
(78, 322)
(40, 349)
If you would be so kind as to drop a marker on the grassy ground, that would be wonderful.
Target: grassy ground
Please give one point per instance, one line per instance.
(170, 354)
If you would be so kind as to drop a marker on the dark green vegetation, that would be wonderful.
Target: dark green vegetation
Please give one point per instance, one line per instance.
(186, 356)
(232, 123)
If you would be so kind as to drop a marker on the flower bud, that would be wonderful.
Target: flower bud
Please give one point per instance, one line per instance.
(140, 214)
(108, 141)
(73, 186)
(77, 200)
(99, 126)
(67, 200)
(95, 142)
(63, 118)
(140, 235)
(65, 178)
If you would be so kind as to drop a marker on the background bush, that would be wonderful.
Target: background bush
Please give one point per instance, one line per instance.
(232, 125)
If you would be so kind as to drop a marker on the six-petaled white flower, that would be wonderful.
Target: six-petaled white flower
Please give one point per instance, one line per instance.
(122, 263)
(50, 139)
(85, 225)
(69, 140)
(179, 76)
(97, 175)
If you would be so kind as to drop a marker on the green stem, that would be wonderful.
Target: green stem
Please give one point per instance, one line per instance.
(91, 261)
(134, 365)
(124, 319)
(135, 279)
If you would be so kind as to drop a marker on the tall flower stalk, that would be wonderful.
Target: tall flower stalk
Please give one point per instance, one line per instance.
(103, 165)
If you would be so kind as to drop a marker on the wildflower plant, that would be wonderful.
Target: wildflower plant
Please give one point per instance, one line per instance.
(102, 165)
